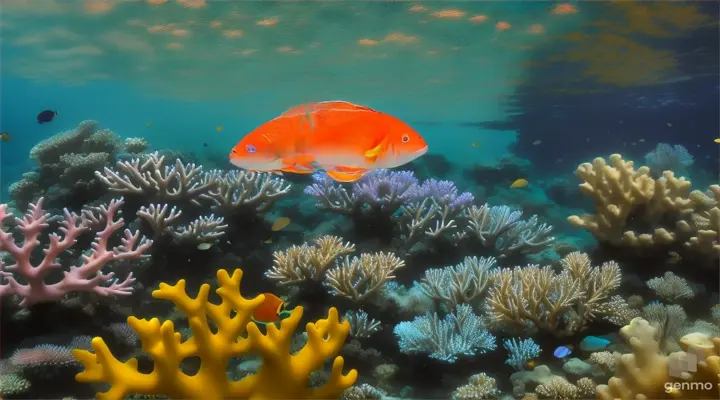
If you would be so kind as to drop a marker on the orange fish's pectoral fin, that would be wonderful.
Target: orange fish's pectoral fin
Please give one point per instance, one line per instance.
(340, 176)
(372, 155)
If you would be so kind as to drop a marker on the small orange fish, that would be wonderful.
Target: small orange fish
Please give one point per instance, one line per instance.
(280, 224)
(531, 363)
(519, 183)
(5, 137)
(502, 26)
(269, 311)
(564, 9)
(219, 128)
(344, 139)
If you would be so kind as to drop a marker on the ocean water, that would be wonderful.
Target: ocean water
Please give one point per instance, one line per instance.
(511, 97)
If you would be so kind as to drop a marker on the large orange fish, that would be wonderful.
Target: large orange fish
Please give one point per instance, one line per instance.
(342, 138)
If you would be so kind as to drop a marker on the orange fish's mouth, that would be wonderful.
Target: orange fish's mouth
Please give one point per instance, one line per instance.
(421, 151)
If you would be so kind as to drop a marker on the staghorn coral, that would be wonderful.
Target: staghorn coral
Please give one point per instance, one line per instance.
(561, 303)
(361, 325)
(281, 375)
(461, 283)
(358, 278)
(237, 190)
(558, 388)
(154, 179)
(300, 263)
(206, 229)
(520, 351)
(501, 229)
(647, 374)
(461, 332)
(670, 287)
(85, 277)
(480, 386)
(635, 211)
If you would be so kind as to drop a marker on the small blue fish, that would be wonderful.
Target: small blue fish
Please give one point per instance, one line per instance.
(593, 343)
(562, 352)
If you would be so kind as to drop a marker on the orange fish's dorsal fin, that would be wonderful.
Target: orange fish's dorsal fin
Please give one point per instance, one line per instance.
(339, 176)
(334, 105)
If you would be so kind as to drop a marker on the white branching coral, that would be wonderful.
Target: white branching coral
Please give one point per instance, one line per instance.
(236, 189)
(360, 277)
(561, 303)
(481, 386)
(160, 217)
(361, 325)
(205, 229)
(670, 287)
(500, 228)
(461, 283)
(153, 178)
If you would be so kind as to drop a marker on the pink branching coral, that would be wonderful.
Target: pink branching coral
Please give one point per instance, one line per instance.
(86, 277)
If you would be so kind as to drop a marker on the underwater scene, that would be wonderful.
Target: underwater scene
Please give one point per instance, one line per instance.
(206, 199)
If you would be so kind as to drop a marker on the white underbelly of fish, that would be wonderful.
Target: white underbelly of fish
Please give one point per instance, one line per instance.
(330, 161)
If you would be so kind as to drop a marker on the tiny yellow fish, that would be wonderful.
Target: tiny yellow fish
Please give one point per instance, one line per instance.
(641, 140)
(5, 137)
(219, 128)
(519, 183)
(280, 224)
(475, 144)
(716, 141)
(268, 241)
(531, 364)
(537, 142)
(149, 124)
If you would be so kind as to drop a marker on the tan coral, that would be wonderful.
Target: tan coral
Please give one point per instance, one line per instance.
(300, 263)
(645, 373)
(360, 277)
(561, 303)
(621, 191)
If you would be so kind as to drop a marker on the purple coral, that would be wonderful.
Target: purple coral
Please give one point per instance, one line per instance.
(385, 188)
(445, 193)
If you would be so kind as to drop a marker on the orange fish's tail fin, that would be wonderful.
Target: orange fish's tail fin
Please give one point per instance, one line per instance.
(339, 176)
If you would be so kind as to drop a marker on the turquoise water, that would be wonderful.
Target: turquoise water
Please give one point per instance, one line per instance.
(500, 91)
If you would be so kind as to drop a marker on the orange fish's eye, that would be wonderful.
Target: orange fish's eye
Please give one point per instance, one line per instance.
(405, 138)
(250, 148)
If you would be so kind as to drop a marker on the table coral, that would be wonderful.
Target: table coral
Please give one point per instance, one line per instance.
(282, 375)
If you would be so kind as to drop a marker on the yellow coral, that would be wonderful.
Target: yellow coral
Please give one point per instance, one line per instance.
(281, 375)
(645, 374)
